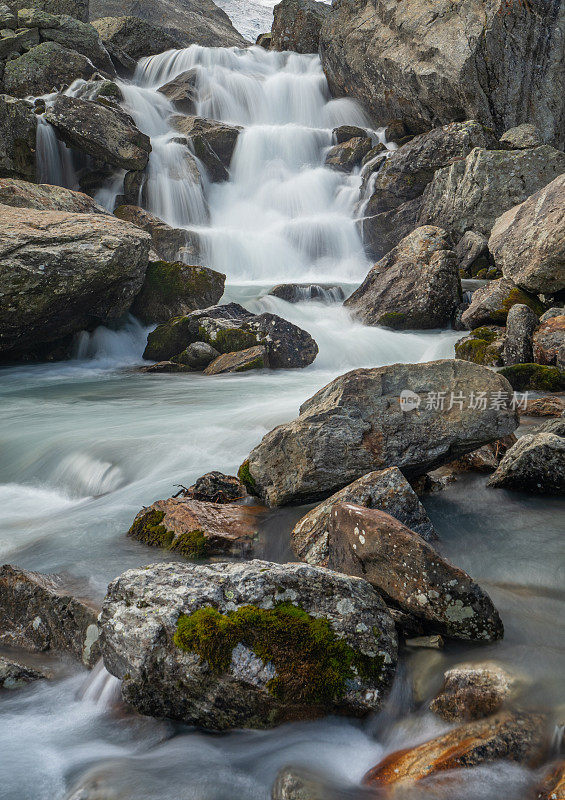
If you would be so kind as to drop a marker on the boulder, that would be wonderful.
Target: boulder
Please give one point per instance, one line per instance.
(14, 675)
(534, 377)
(552, 786)
(128, 39)
(215, 487)
(549, 342)
(62, 272)
(74, 8)
(472, 691)
(18, 126)
(547, 406)
(297, 25)
(536, 463)
(174, 289)
(197, 355)
(521, 323)
(299, 784)
(428, 64)
(13, 43)
(485, 458)
(37, 614)
(166, 367)
(491, 303)
(484, 345)
(387, 490)
(345, 157)
(213, 142)
(346, 132)
(357, 424)
(169, 243)
(528, 241)
(241, 361)
(472, 252)
(232, 645)
(299, 292)
(506, 736)
(410, 573)
(45, 68)
(107, 134)
(8, 18)
(416, 285)
(521, 137)
(196, 529)
(45, 197)
(182, 91)
(472, 193)
(552, 312)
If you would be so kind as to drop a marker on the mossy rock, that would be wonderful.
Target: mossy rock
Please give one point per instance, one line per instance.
(171, 338)
(394, 319)
(228, 340)
(246, 477)
(479, 347)
(148, 528)
(534, 377)
(172, 288)
(516, 295)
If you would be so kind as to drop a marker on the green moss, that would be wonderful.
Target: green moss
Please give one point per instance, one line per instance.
(476, 347)
(256, 363)
(393, 319)
(484, 333)
(513, 297)
(191, 545)
(229, 340)
(312, 663)
(170, 338)
(534, 377)
(148, 529)
(246, 477)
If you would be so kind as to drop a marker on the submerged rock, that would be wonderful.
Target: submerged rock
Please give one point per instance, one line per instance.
(45, 197)
(536, 463)
(491, 303)
(241, 361)
(299, 292)
(18, 126)
(298, 784)
(472, 691)
(45, 68)
(213, 142)
(387, 490)
(356, 424)
(286, 643)
(406, 570)
(14, 675)
(297, 25)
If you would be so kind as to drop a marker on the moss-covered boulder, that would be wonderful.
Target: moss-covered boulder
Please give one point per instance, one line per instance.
(482, 346)
(250, 644)
(18, 127)
(491, 303)
(45, 67)
(243, 361)
(534, 377)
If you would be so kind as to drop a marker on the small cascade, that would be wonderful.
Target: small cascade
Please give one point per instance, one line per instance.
(54, 159)
(100, 688)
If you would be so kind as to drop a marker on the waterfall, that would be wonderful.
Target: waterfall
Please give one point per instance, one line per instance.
(54, 158)
(100, 687)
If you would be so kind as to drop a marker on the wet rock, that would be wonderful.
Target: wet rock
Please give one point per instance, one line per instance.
(63, 272)
(473, 691)
(387, 490)
(345, 157)
(172, 289)
(416, 285)
(536, 463)
(44, 197)
(427, 65)
(14, 675)
(471, 194)
(426, 642)
(548, 406)
(263, 667)
(472, 252)
(346, 132)
(196, 529)
(38, 615)
(299, 292)
(297, 25)
(213, 142)
(18, 125)
(215, 487)
(534, 377)
(356, 424)
(528, 241)
(505, 736)
(107, 134)
(552, 786)
(408, 572)
(128, 39)
(521, 323)
(549, 342)
(46, 67)
(74, 8)
(297, 784)
(486, 458)
(197, 355)
(491, 303)
(166, 367)
(169, 243)
(242, 361)
(521, 137)
(484, 345)
(182, 91)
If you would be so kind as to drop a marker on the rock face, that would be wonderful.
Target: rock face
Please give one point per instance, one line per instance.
(387, 490)
(425, 65)
(46, 67)
(345, 157)
(416, 285)
(297, 25)
(128, 39)
(491, 303)
(44, 197)
(18, 125)
(174, 289)
(472, 691)
(528, 241)
(213, 142)
(108, 134)
(536, 463)
(14, 675)
(356, 424)
(242, 361)
(63, 272)
(472, 194)
(406, 570)
(182, 91)
(37, 615)
(169, 243)
(74, 8)
(196, 529)
(521, 323)
(507, 736)
(549, 342)
(261, 666)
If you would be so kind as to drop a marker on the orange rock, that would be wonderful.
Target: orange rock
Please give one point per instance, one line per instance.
(553, 784)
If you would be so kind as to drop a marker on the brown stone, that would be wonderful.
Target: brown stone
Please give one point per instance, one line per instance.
(549, 342)
(241, 361)
(472, 691)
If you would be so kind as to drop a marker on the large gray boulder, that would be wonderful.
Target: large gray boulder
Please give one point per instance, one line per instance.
(356, 424)
(18, 127)
(213, 142)
(62, 272)
(472, 193)
(500, 64)
(536, 463)
(261, 666)
(169, 243)
(521, 323)
(128, 39)
(74, 8)
(416, 285)
(387, 490)
(297, 25)
(491, 303)
(528, 240)
(45, 68)
(45, 197)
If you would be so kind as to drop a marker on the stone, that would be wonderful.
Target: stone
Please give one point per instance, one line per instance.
(521, 323)
(182, 91)
(169, 243)
(14, 43)
(486, 458)
(45, 197)
(8, 18)
(213, 142)
(552, 786)
(165, 367)
(552, 312)
(128, 39)
(298, 784)
(484, 345)
(472, 252)
(297, 25)
(534, 377)
(387, 490)
(346, 132)
(536, 464)
(356, 424)
(345, 157)
(426, 642)
(473, 193)
(491, 303)
(556, 426)
(18, 126)
(74, 8)
(46, 67)
(300, 292)
(62, 272)
(473, 691)
(408, 571)
(107, 134)
(195, 529)
(428, 64)
(215, 487)
(264, 40)
(174, 289)
(261, 669)
(14, 675)
(38, 615)
(508, 736)
(197, 355)
(241, 361)
(415, 286)
(528, 241)
(548, 406)
(521, 137)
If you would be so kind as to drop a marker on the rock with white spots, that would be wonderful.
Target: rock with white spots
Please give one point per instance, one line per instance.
(473, 691)
(410, 574)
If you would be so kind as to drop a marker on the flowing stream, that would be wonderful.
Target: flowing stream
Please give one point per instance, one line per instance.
(86, 443)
